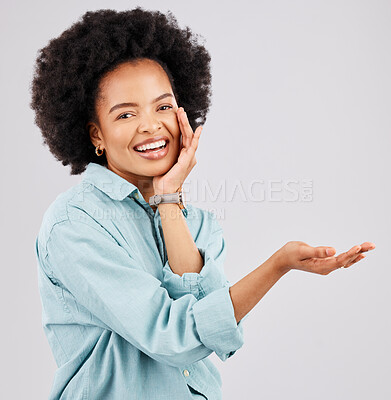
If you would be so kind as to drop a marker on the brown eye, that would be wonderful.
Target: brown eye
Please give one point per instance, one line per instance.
(165, 106)
(122, 115)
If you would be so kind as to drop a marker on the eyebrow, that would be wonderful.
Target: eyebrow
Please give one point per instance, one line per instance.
(121, 105)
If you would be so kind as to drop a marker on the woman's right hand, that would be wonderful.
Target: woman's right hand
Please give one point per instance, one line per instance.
(300, 255)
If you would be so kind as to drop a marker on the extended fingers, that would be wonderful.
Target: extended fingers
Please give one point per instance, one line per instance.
(196, 137)
(324, 259)
(366, 246)
(347, 257)
(358, 257)
(321, 259)
(191, 138)
(187, 131)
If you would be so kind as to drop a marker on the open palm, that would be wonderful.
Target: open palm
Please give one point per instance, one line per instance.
(321, 259)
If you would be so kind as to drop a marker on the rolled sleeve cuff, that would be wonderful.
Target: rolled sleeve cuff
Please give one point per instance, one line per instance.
(201, 284)
(216, 324)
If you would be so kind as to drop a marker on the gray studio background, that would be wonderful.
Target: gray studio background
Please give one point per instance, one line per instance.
(299, 134)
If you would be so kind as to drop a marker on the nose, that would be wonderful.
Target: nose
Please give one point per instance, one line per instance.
(149, 123)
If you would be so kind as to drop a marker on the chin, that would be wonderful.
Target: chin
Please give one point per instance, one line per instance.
(156, 170)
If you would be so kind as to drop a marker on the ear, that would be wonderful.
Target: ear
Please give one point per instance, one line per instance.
(94, 133)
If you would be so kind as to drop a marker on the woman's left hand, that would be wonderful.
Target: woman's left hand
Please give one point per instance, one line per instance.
(172, 180)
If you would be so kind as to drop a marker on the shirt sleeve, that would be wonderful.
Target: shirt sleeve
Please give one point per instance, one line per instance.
(210, 278)
(104, 278)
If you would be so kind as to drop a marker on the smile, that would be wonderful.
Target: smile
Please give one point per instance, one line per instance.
(153, 151)
(151, 146)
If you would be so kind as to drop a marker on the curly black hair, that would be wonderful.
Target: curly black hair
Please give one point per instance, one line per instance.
(65, 85)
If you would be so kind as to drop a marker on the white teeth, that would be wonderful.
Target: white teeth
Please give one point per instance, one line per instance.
(151, 145)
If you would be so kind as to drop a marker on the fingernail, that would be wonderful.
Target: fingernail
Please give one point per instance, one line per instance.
(358, 250)
(329, 252)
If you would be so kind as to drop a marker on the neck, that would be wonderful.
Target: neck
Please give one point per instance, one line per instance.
(143, 183)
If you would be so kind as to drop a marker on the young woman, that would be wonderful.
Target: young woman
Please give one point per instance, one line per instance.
(134, 295)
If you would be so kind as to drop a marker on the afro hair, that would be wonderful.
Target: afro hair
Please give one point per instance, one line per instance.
(65, 85)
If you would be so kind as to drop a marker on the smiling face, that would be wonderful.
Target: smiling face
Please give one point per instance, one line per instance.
(136, 104)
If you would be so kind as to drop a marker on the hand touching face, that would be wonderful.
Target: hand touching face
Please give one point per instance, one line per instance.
(175, 177)
(137, 107)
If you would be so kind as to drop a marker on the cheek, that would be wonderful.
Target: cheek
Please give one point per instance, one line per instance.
(173, 126)
(118, 137)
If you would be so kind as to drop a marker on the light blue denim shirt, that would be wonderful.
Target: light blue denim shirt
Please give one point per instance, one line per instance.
(120, 323)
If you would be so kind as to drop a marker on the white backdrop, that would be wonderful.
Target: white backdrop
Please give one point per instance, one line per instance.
(301, 121)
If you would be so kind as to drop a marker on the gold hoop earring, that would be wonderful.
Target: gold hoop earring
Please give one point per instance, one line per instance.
(98, 151)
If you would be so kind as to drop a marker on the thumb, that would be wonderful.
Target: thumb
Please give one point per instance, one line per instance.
(318, 252)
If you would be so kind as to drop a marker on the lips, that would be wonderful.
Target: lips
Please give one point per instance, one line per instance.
(151, 140)
(154, 155)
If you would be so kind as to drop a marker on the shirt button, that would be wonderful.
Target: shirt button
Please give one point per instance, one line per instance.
(136, 195)
(186, 372)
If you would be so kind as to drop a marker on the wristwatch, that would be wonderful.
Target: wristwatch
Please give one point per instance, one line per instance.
(174, 198)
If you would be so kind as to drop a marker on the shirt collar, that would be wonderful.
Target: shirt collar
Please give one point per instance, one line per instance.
(112, 184)
(109, 182)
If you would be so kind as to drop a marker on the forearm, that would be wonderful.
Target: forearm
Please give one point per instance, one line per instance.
(182, 252)
(246, 293)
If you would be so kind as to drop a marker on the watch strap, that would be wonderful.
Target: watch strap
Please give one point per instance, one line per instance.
(165, 198)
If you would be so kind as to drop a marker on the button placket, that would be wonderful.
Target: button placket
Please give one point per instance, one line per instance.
(152, 219)
(159, 229)
(159, 235)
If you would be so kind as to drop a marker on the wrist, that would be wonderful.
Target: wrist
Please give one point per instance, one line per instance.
(166, 189)
(169, 211)
(279, 264)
